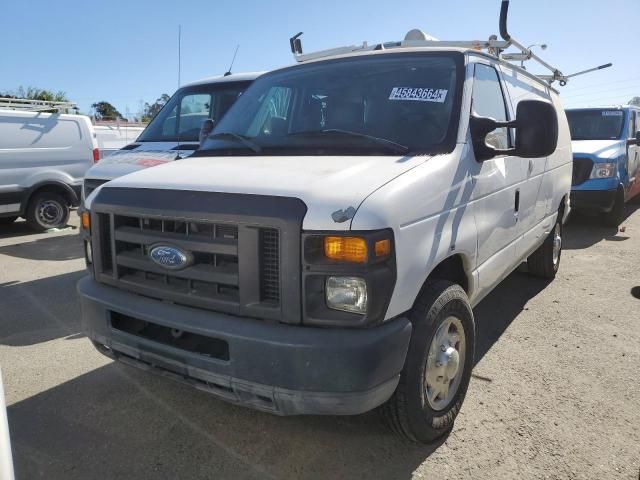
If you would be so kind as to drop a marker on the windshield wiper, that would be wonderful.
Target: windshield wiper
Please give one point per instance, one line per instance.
(397, 147)
(246, 141)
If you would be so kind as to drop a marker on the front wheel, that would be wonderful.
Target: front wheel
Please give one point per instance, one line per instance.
(616, 215)
(545, 261)
(437, 370)
(47, 210)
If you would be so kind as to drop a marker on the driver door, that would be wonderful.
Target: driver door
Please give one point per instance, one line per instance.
(498, 183)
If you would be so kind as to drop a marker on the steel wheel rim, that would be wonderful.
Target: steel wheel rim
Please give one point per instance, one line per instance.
(557, 243)
(445, 363)
(50, 213)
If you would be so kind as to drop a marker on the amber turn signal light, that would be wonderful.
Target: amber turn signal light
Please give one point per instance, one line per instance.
(382, 248)
(86, 221)
(346, 249)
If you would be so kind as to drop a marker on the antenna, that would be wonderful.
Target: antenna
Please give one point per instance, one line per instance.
(178, 109)
(228, 72)
(179, 52)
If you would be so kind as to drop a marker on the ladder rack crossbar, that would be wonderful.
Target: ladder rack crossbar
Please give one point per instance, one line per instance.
(29, 105)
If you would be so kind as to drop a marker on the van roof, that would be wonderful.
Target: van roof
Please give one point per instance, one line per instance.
(234, 77)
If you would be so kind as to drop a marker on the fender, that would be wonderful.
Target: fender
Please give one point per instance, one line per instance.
(73, 194)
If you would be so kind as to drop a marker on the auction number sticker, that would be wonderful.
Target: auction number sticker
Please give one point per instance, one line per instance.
(437, 95)
(612, 113)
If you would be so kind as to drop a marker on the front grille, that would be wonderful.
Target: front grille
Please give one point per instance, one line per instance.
(211, 281)
(90, 184)
(581, 170)
(243, 251)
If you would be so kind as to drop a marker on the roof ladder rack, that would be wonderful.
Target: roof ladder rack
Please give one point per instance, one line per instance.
(28, 105)
(416, 38)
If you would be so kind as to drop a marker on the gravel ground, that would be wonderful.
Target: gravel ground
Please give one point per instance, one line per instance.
(555, 392)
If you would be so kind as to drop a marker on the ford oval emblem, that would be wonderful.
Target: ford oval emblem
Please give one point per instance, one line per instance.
(170, 257)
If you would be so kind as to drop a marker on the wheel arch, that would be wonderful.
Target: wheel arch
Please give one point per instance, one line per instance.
(60, 188)
(454, 269)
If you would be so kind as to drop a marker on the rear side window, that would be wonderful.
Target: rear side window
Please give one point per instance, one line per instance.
(488, 101)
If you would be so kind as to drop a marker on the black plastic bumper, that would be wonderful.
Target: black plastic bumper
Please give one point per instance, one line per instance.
(594, 200)
(282, 369)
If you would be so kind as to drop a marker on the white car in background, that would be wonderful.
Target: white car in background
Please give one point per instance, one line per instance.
(43, 159)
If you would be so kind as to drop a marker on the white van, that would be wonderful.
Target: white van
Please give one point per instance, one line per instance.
(174, 131)
(43, 159)
(112, 136)
(323, 250)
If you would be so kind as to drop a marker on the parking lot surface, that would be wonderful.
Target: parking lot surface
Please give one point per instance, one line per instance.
(555, 392)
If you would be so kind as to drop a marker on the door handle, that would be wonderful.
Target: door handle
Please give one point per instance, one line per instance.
(516, 208)
(530, 166)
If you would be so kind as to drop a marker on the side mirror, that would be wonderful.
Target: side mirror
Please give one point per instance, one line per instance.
(638, 137)
(205, 130)
(536, 127)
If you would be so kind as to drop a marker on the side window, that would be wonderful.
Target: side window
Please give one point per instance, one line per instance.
(632, 124)
(194, 109)
(488, 101)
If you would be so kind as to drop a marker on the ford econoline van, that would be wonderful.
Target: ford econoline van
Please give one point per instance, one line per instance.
(174, 132)
(323, 250)
(43, 160)
(606, 159)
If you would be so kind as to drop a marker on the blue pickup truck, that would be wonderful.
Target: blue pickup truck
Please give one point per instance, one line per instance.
(606, 159)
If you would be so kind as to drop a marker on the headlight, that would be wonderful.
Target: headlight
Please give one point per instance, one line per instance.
(603, 170)
(348, 294)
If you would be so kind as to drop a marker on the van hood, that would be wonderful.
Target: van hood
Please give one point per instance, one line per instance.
(598, 148)
(326, 184)
(147, 154)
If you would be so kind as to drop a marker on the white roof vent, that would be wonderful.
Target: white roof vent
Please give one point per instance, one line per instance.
(418, 35)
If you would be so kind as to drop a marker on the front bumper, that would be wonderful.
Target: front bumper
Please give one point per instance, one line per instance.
(593, 200)
(283, 369)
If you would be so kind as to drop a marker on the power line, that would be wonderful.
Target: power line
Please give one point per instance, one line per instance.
(611, 99)
(598, 85)
(633, 87)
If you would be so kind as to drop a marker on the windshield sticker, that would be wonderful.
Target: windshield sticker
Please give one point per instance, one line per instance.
(418, 94)
(612, 113)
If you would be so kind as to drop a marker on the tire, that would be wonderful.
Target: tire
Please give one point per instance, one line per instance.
(7, 220)
(47, 210)
(545, 261)
(616, 215)
(409, 412)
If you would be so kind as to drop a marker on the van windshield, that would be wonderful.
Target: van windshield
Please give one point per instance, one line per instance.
(386, 104)
(595, 124)
(181, 118)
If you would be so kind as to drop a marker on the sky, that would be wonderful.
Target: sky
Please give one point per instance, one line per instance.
(126, 52)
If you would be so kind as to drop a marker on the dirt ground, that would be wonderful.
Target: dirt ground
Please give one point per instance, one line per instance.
(555, 392)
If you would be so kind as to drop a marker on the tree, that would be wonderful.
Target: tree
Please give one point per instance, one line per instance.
(635, 101)
(106, 111)
(34, 93)
(150, 110)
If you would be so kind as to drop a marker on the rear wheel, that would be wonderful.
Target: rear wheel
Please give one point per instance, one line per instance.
(616, 215)
(7, 220)
(545, 261)
(47, 210)
(438, 366)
